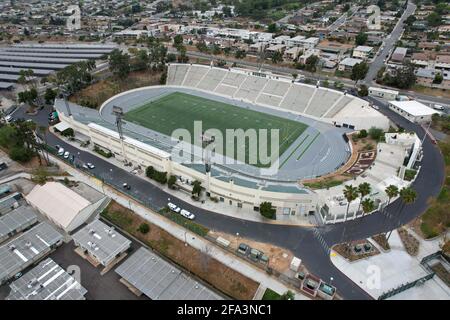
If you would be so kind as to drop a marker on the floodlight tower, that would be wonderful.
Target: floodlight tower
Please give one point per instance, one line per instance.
(118, 112)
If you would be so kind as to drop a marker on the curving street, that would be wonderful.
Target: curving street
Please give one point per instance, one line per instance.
(309, 245)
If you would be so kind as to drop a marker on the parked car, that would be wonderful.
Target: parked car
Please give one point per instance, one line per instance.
(90, 165)
(66, 154)
(126, 186)
(61, 151)
(17, 275)
(85, 166)
(187, 214)
(438, 107)
(174, 207)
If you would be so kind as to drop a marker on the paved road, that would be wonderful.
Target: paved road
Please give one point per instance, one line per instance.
(310, 246)
(388, 44)
(342, 19)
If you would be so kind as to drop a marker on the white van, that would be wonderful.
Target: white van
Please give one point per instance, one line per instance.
(173, 207)
(187, 214)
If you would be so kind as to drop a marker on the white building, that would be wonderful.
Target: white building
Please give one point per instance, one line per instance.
(383, 93)
(348, 63)
(413, 110)
(63, 206)
(310, 43)
(362, 52)
(295, 41)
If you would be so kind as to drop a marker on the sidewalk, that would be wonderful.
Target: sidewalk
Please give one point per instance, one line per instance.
(394, 268)
(177, 231)
(220, 208)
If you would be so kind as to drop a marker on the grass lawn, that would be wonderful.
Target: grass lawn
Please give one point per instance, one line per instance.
(269, 294)
(179, 110)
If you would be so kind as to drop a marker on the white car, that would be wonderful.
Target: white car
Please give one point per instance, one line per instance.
(66, 154)
(90, 165)
(187, 214)
(61, 151)
(85, 166)
(438, 107)
(173, 207)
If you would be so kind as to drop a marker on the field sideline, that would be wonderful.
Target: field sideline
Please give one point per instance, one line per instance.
(180, 110)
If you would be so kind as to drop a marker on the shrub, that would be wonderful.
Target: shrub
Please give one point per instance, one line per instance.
(171, 182)
(267, 210)
(375, 133)
(144, 228)
(102, 152)
(20, 154)
(68, 132)
(156, 175)
(362, 133)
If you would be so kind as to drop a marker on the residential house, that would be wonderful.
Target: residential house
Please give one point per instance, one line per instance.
(399, 54)
(363, 52)
(348, 63)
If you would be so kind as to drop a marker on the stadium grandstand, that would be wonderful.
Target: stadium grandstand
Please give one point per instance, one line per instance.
(313, 121)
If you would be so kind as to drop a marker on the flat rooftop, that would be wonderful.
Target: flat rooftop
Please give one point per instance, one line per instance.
(102, 241)
(46, 281)
(21, 251)
(414, 108)
(17, 219)
(160, 280)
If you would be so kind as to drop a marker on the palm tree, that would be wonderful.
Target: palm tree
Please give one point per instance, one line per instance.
(368, 205)
(408, 196)
(391, 192)
(364, 189)
(350, 193)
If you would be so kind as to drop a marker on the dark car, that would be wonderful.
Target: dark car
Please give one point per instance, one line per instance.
(126, 186)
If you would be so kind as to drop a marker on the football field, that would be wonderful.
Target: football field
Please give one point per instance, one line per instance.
(180, 110)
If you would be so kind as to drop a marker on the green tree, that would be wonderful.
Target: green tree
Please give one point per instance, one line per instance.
(408, 196)
(267, 210)
(50, 96)
(311, 63)
(434, 19)
(363, 91)
(361, 38)
(351, 194)
(364, 189)
(240, 54)
(375, 133)
(368, 205)
(196, 188)
(277, 57)
(144, 228)
(272, 28)
(119, 63)
(438, 78)
(178, 40)
(171, 182)
(359, 71)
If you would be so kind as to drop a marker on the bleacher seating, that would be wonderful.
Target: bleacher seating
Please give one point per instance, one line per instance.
(212, 79)
(321, 102)
(297, 98)
(301, 98)
(194, 75)
(250, 88)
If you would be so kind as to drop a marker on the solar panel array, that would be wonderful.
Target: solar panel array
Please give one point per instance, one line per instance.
(44, 59)
(160, 280)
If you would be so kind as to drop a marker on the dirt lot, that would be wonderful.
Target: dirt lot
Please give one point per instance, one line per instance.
(202, 265)
(279, 258)
(103, 90)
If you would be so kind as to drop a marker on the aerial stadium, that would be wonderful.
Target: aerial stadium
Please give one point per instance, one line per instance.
(312, 122)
